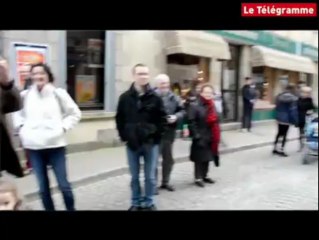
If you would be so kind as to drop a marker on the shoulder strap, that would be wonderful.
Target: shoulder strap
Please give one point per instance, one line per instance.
(59, 100)
(24, 97)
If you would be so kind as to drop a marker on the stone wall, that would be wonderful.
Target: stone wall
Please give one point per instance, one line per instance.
(50, 38)
(134, 47)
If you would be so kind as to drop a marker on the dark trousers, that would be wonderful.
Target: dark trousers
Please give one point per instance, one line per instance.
(201, 170)
(282, 133)
(301, 132)
(40, 159)
(247, 117)
(167, 160)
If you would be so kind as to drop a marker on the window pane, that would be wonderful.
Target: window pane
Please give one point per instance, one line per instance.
(230, 69)
(85, 73)
(229, 111)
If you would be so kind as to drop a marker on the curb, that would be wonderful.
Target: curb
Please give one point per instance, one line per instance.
(115, 142)
(33, 196)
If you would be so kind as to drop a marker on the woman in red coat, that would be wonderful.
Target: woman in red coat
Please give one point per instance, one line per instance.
(205, 132)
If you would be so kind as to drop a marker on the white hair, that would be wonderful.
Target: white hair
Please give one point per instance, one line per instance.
(159, 78)
(306, 89)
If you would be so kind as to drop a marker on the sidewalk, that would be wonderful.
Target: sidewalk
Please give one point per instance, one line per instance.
(88, 167)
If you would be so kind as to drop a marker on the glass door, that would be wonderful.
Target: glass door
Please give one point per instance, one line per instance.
(229, 85)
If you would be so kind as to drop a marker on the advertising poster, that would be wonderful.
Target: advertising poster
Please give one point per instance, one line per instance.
(25, 55)
(85, 89)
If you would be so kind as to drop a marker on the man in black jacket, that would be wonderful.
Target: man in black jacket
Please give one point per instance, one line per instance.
(249, 95)
(175, 112)
(140, 121)
(9, 102)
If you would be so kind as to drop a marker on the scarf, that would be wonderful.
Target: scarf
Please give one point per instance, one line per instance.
(212, 121)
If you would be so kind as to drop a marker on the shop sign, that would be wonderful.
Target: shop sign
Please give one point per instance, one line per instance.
(24, 55)
(262, 38)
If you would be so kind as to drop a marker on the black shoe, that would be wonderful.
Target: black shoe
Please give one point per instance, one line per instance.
(168, 187)
(151, 208)
(275, 152)
(216, 160)
(199, 184)
(283, 154)
(209, 180)
(134, 209)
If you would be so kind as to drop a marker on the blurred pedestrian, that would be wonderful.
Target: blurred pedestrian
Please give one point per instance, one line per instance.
(300, 85)
(286, 115)
(48, 113)
(205, 132)
(174, 112)
(177, 89)
(191, 98)
(218, 100)
(249, 99)
(9, 102)
(305, 105)
(140, 121)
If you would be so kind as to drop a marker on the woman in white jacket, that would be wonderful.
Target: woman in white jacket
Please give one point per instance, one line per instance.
(47, 115)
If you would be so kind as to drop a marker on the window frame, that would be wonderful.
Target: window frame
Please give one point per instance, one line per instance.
(109, 101)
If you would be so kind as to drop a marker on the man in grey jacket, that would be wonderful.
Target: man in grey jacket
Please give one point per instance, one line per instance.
(175, 112)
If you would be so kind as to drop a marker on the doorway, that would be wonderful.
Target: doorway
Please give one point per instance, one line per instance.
(230, 84)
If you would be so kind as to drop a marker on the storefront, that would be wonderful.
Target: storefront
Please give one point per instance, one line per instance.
(95, 66)
(272, 61)
(88, 56)
(311, 79)
(189, 57)
(230, 84)
(273, 70)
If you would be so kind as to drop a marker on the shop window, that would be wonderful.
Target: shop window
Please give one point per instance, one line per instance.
(306, 78)
(85, 68)
(230, 85)
(261, 83)
(184, 69)
(230, 69)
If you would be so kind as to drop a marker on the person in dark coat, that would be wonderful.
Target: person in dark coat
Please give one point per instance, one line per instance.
(286, 114)
(305, 105)
(205, 131)
(249, 98)
(140, 121)
(191, 98)
(9, 102)
(175, 112)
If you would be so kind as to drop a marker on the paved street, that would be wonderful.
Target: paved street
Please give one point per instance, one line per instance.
(92, 166)
(251, 180)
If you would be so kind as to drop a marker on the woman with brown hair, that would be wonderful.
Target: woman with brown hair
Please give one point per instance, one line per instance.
(48, 114)
(205, 132)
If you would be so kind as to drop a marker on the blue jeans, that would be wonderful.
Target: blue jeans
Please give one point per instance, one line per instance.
(150, 154)
(55, 157)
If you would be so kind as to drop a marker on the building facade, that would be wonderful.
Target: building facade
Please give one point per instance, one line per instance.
(95, 66)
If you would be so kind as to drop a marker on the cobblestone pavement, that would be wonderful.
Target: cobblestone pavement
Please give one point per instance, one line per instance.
(248, 180)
